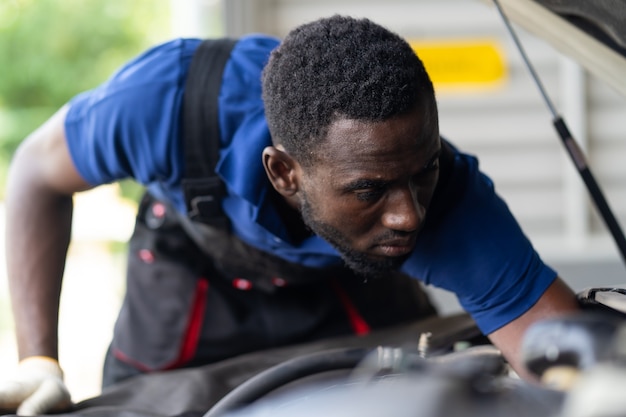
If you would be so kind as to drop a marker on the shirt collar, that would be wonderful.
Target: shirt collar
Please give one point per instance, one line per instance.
(241, 168)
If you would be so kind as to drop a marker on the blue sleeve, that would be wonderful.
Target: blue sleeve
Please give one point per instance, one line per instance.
(472, 246)
(129, 126)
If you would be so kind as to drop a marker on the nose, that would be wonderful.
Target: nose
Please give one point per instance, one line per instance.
(403, 211)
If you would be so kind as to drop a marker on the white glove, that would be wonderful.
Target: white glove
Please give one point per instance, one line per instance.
(36, 388)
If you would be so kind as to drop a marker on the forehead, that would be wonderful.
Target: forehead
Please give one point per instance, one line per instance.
(357, 147)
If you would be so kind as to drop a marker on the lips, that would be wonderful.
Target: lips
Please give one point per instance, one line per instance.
(396, 247)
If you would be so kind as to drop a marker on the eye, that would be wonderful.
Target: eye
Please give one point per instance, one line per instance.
(427, 175)
(429, 170)
(432, 165)
(366, 190)
(369, 195)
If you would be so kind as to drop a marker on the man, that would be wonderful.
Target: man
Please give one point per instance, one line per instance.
(333, 160)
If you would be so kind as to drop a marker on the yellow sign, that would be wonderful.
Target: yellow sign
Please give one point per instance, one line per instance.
(458, 65)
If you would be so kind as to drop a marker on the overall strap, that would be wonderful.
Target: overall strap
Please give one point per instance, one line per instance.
(202, 187)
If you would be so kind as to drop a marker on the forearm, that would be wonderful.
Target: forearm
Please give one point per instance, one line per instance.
(37, 237)
(558, 300)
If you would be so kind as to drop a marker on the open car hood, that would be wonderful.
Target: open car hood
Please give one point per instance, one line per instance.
(593, 33)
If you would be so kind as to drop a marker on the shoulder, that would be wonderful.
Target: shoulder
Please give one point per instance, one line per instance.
(473, 246)
(248, 58)
(132, 117)
(159, 70)
(257, 43)
(168, 60)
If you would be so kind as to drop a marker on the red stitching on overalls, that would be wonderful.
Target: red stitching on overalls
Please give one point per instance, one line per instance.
(191, 337)
(122, 357)
(194, 325)
(358, 323)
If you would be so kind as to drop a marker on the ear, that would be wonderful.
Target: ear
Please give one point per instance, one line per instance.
(282, 171)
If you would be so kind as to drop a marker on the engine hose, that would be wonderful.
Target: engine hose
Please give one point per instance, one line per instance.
(283, 373)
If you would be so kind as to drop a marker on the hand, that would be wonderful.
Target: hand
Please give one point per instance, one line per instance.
(35, 388)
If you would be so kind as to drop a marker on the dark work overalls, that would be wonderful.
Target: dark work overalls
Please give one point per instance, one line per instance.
(196, 294)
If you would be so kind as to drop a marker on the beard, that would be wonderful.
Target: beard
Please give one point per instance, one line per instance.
(360, 262)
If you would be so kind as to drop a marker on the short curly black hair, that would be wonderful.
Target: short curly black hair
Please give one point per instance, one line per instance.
(340, 67)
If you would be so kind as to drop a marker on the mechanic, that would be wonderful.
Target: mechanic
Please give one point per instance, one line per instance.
(341, 200)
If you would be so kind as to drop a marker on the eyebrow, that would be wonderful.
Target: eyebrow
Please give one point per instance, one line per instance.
(363, 183)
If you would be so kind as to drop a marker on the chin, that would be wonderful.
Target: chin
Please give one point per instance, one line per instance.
(374, 267)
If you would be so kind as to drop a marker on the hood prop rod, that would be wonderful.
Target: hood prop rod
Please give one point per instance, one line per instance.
(576, 154)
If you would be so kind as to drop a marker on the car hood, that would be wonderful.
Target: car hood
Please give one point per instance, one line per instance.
(593, 33)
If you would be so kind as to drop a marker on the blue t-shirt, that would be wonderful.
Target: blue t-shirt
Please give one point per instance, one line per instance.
(129, 128)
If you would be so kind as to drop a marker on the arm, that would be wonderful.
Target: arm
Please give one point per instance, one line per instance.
(40, 185)
(558, 300)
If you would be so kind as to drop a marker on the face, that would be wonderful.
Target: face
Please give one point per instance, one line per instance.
(368, 192)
